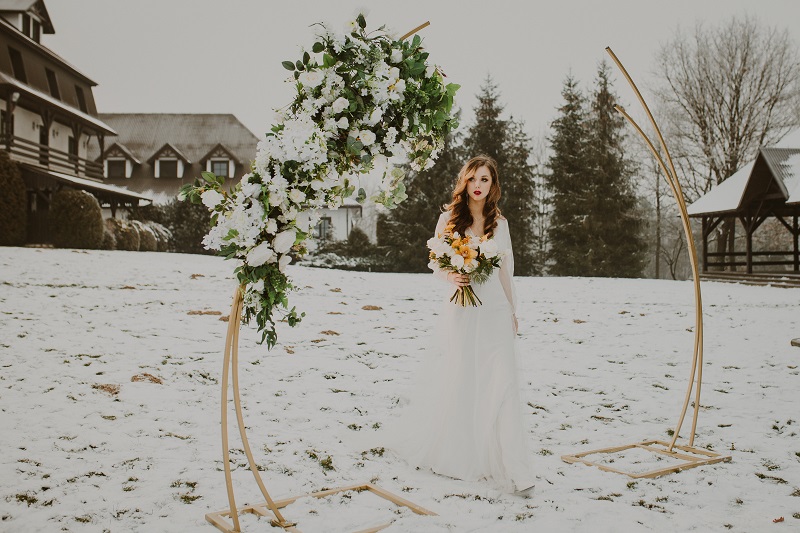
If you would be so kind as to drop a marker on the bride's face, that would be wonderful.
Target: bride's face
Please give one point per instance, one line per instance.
(479, 184)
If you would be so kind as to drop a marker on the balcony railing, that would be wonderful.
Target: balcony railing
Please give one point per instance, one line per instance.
(27, 151)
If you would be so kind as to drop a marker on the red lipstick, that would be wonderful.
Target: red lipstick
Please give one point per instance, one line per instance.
(477, 193)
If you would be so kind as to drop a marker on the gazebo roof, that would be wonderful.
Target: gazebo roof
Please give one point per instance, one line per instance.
(774, 175)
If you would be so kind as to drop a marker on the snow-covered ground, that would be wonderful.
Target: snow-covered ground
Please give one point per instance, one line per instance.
(604, 362)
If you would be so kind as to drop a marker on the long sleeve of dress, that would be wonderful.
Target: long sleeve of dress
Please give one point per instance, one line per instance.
(507, 266)
(440, 225)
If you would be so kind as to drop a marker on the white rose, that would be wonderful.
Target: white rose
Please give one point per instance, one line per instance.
(366, 137)
(297, 196)
(394, 73)
(375, 116)
(272, 226)
(457, 261)
(433, 265)
(284, 240)
(396, 57)
(260, 254)
(343, 123)
(311, 78)
(251, 189)
(283, 262)
(380, 162)
(211, 198)
(340, 104)
(489, 248)
(400, 86)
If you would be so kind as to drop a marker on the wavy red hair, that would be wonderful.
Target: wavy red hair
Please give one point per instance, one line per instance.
(460, 215)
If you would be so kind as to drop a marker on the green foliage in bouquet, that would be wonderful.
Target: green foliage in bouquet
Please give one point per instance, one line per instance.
(361, 99)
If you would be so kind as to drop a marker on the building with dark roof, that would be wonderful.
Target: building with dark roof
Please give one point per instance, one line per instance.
(156, 153)
(48, 117)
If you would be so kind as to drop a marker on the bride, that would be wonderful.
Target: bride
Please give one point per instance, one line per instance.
(464, 419)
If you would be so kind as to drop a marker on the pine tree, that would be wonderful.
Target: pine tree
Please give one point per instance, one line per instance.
(505, 140)
(404, 231)
(567, 181)
(615, 223)
(596, 226)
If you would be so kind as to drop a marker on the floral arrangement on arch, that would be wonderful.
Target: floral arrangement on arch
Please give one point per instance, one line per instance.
(362, 98)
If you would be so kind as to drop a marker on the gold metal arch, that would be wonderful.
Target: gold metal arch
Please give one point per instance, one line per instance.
(691, 456)
(230, 369)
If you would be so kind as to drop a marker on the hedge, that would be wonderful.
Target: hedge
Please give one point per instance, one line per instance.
(13, 203)
(76, 220)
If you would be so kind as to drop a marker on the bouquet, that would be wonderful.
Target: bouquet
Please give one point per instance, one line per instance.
(470, 256)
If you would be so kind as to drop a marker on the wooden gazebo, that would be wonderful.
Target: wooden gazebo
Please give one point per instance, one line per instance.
(766, 188)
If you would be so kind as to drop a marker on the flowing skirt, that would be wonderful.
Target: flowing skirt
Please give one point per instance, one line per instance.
(464, 418)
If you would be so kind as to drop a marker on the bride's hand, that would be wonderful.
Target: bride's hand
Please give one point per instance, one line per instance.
(459, 280)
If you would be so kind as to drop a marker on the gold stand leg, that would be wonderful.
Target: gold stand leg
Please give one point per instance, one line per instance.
(701, 456)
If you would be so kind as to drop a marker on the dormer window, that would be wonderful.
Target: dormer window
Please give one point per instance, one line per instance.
(167, 168)
(117, 168)
(169, 162)
(118, 162)
(220, 161)
(220, 167)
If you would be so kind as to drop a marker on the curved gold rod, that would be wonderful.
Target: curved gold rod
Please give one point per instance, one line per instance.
(226, 456)
(415, 30)
(237, 400)
(697, 358)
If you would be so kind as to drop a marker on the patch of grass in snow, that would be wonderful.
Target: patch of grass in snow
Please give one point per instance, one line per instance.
(354, 427)
(738, 501)
(545, 451)
(84, 519)
(651, 506)
(609, 497)
(769, 465)
(374, 451)
(26, 497)
(631, 485)
(796, 516)
(778, 480)
(30, 462)
(796, 493)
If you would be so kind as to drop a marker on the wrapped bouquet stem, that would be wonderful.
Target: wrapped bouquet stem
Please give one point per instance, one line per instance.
(466, 296)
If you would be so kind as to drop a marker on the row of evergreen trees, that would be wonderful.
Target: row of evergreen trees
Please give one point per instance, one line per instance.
(593, 224)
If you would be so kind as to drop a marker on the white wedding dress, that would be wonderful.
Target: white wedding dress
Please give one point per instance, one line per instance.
(464, 418)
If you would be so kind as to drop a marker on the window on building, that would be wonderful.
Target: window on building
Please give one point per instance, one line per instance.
(116, 168)
(168, 168)
(324, 228)
(81, 99)
(44, 149)
(52, 81)
(37, 31)
(17, 65)
(26, 24)
(220, 167)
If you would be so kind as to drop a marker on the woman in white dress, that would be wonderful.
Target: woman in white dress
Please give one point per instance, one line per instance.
(464, 419)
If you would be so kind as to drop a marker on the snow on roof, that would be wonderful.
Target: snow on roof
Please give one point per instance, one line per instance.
(724, 197)
(791, 170)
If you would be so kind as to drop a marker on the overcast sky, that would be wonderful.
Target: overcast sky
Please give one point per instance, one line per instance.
(220, 56)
